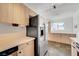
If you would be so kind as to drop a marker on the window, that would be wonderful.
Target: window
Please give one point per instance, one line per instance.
(57, 26)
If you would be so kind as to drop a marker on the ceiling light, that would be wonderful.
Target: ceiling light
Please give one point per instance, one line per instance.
(54, 7)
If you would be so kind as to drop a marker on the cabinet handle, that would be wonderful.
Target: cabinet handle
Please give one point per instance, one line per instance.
(20, 52)
(73, 47)
(27, 43)
(73, 42)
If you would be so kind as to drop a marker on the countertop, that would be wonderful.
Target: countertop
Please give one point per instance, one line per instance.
(11, 40)
(74, 39)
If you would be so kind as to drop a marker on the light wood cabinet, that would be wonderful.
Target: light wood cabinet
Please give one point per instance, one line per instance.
(4, 15)
(26, 49)
(20, 15)
(14, 13)
(73, 49)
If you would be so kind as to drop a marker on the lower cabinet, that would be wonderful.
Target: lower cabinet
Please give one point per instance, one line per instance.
(26, 49)
(73, 49)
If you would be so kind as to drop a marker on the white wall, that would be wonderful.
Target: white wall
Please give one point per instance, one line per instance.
(68, 24)
(76, 23)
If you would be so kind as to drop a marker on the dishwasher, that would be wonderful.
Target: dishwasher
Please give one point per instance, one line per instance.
(10, 52)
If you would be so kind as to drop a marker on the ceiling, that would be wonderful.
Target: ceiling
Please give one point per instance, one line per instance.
(47, 10)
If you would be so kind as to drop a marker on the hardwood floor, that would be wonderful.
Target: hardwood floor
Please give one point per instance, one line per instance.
(58, 49)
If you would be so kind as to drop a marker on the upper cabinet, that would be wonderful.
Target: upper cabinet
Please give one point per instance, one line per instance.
(15, 13)
(20, 15)
(4, 13)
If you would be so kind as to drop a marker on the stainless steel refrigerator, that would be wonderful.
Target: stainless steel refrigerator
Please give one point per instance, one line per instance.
(40, 35)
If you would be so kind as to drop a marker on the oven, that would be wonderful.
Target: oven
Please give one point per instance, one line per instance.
(10, 52)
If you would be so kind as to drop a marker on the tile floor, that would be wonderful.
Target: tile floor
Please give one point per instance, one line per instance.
(58, 49)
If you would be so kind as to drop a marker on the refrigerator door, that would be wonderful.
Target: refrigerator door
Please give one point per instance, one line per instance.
(42, 46)
(43, 42)
(46, 38)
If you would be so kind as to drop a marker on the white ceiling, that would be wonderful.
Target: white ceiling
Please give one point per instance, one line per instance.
(47, 10)
(39, 6)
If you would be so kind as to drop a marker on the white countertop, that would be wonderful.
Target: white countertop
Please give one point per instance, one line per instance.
(7, 42)
(74, 39)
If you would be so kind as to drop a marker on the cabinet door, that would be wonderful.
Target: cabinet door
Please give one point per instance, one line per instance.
(19, 14)
(4, 9)
(73, 49)
(26, 49)
(30, 49)
(6, 13)
(13, 13)
(26, 15)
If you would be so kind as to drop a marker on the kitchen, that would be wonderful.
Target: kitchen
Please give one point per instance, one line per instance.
(30, 29)
(21, 33)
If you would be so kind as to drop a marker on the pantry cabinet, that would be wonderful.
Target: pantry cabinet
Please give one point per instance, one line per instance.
(15, 13)
(26, 49)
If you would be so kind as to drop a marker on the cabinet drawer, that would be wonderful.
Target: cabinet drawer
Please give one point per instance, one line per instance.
(25, 45)
(20, 53)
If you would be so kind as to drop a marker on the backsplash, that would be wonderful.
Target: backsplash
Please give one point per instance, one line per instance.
(7, 28)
